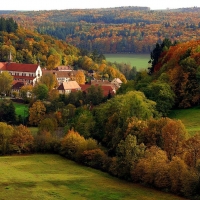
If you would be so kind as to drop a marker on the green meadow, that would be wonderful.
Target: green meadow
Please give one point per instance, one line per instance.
(140, 61)
(21, 109)
(190, 118)
(51, 177)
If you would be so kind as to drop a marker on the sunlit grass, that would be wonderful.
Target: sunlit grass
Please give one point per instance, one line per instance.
(190, 118)
(53, 177)
(140, 61)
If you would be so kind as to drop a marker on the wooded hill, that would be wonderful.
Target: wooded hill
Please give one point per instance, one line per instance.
(112, 30)
(27, 46)
(179, 66)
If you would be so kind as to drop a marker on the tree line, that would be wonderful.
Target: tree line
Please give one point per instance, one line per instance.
(115, 30)
(124, 136)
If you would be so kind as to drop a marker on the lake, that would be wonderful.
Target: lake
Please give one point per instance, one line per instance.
(140, 61)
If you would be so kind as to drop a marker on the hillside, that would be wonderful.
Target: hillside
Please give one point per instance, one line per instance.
(111, 30)
(181, 64)
(64, 179)
(27, 46)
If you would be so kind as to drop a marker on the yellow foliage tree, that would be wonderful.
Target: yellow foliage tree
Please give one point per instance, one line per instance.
(53, 61)
(22, 139)
(36, 113)
(73, 144)
(5, 136)
(26, 91)
(80, 77)
(49, 80)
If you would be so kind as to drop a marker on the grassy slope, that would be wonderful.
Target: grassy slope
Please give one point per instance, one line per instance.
(49, 177)
(189, 117)
(140, 61)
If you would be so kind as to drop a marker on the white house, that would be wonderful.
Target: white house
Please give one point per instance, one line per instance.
(25, 73)
(117, 82)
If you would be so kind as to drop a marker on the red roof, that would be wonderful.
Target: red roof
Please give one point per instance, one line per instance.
(24, 77)
(2, 66)
(106, 89)
(20, 67)
(85, 87)
(17, 85)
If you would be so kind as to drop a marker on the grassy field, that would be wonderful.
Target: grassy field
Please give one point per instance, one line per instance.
(140, 61)
(190, 118)
(21, 109)
(49, 177)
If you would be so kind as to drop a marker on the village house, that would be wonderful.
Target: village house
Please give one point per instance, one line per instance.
(68, 87)
(62, 75)
(104, 83)
(24, 73)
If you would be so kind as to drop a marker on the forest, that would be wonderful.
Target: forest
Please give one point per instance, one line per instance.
(128, 135)
(114, 30)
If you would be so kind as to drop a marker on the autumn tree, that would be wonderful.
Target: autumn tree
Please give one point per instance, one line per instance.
(153, 168)
(53, 95)
(49, 80)
(110, 125)
(80, 77)
(45, 142)
(5, 137)
(5, 82)
(36, 113)
(22, 139)
(192, 150)
(183, 180)
(173, 134)
(5, 51)
(153, 132)
(48, 124)
(73, 144)
(53, 61)
(26, 92)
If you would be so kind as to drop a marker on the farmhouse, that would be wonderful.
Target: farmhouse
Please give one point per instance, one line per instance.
(68, 87)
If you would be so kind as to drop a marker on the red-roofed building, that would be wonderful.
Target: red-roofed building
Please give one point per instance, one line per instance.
(105, 83)
(17, 86)
(107, 89)
(25, 73)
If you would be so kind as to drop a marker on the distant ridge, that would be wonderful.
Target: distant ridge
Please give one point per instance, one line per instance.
(190, 9)
(6, 11)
